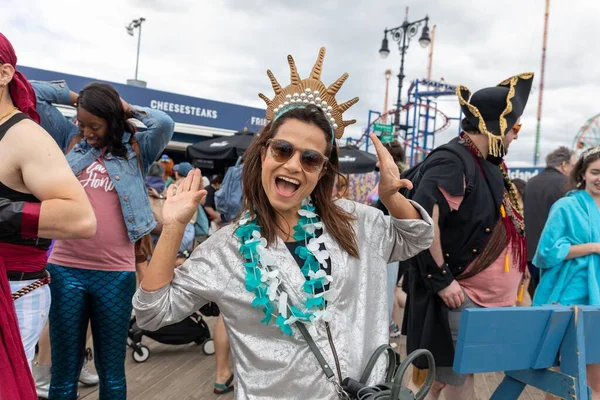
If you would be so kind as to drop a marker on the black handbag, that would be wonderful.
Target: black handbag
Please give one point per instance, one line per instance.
(210, 309)
(390, 389)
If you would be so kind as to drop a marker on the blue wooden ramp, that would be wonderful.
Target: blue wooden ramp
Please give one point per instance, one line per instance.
(525, 342)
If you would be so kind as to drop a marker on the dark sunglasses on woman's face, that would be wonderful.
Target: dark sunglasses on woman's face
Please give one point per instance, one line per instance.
(282, 151)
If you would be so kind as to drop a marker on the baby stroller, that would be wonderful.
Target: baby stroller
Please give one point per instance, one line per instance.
(192, 329)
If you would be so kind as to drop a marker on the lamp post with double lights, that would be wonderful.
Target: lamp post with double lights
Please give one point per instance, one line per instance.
(136, 23)
(402, 34)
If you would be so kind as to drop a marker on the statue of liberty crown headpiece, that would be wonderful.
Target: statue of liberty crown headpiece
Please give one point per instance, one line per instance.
(303, 92)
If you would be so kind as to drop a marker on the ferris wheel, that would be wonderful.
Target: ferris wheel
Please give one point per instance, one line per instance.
(589, 134)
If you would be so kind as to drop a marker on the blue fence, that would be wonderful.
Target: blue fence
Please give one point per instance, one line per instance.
(526, 342)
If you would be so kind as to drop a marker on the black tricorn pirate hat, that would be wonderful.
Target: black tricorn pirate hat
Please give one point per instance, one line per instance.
(495, 110)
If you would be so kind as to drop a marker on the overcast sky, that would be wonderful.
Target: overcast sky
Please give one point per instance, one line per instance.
(220, 50)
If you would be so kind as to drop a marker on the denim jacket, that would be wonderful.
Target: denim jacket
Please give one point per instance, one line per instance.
(124, 172)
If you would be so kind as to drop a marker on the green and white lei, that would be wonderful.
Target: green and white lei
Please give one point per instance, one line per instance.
(263, 278)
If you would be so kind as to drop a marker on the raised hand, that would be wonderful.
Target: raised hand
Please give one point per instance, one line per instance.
(183, 199)
(389, 178)
(126, 108)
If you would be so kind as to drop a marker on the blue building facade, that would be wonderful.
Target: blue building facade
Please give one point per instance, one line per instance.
(196, 119)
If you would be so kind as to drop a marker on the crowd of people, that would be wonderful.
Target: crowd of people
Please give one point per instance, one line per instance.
(96, 224)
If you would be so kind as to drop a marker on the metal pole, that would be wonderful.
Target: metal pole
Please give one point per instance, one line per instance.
(414, 138)
(385, 101)
(536, 151)
(430, 61)
(137, 61)
(400, 79)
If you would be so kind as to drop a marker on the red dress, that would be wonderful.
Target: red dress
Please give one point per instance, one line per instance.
(16, 382)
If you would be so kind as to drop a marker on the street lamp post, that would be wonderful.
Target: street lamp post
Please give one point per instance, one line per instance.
(402, 34)
(136, 23)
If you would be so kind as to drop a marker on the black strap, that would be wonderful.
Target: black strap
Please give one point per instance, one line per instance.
(391, 368)
(15, 119)
(313, 347)
(26, 276)
(394, 375)
(399, 392)
(370, 365)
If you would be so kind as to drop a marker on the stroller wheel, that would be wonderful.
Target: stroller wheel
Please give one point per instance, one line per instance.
(208, 347)
(141, 355)
(129, 342)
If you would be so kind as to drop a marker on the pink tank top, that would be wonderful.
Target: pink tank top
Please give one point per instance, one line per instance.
(110, 249)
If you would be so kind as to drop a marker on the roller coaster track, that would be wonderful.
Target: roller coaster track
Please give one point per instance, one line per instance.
(409, 142)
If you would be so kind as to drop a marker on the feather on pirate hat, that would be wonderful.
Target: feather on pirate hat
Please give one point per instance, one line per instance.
(495, 110)
(303, 92)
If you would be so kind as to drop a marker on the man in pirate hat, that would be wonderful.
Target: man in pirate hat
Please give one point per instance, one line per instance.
(478, 255)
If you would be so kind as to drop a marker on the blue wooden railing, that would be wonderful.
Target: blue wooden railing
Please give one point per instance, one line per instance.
(525, 342)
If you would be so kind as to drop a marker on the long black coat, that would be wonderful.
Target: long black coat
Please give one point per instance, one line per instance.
(464, 233)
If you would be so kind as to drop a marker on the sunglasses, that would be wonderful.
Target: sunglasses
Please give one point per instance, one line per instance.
(282, 151)
(517, 128)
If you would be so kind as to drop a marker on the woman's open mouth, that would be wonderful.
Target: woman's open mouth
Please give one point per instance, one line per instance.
(286, 186)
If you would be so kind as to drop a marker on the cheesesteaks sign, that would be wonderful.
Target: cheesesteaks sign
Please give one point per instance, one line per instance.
(183, 109)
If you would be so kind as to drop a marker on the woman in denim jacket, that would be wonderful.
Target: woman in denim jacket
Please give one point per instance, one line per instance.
(94, 280)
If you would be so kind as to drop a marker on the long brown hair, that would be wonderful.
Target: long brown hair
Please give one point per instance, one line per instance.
(576, 180)
(336, 220)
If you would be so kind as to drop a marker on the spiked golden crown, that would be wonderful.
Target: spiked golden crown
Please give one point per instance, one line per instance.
(302, 92)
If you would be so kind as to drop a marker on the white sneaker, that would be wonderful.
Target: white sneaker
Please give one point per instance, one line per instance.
(87, 377)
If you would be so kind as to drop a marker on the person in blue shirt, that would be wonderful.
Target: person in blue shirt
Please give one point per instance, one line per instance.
(568, 254)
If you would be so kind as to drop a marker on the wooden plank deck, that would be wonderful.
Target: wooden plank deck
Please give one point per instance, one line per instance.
(171, 372)
(185, 373)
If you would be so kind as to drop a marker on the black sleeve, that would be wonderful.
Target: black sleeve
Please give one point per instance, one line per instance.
(15, 218)
(444, 170)
(558, 192)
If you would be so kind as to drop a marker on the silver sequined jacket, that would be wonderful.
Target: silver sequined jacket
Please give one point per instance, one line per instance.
(267, 363)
